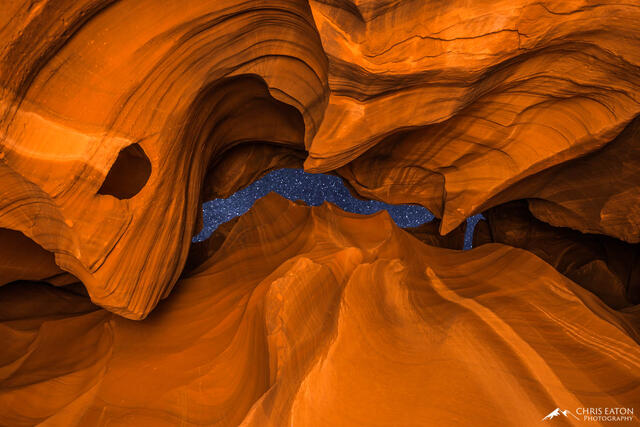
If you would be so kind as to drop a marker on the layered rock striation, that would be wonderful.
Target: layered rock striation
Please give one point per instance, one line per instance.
(314, 316)
(114, 112)
(123, 116)
(118, 118)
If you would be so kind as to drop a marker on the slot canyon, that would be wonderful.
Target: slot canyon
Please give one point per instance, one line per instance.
(319, 212)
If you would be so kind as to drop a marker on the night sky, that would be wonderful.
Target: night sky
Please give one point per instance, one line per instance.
(314, 189)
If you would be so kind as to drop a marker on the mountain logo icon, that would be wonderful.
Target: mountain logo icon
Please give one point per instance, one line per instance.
(556, 412)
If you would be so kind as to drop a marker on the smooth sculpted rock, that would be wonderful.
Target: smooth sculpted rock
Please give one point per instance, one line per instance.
(311, 316)
(121, 117)
(429, 233)
(608, 267)
(598, 193)
(114, 112)
(451, 104)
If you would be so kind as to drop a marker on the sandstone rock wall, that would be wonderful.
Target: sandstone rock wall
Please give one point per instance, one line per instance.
(452, 105)
(118, 118)
(314, 316)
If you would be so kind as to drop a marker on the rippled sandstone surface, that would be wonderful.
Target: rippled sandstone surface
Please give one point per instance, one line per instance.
(314, 316)
(607, 267)
(118, 118)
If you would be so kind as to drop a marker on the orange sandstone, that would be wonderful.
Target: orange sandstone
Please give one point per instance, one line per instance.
(313, 316)
(119, 117)
(123, 116)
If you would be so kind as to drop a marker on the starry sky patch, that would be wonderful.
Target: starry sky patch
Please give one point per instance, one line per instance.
(314, 189)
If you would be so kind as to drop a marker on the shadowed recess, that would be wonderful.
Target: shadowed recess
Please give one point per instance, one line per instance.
(313, 189)
(129, 173)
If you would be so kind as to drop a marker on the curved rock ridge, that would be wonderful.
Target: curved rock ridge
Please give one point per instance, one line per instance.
(314, 316)
(606, 266)
(597, 193)
(449, 104)
(82, 82)
(124, 116)
(428, 233)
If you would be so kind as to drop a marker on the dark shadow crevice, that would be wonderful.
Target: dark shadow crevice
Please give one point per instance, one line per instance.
(604, 265)
(128, 174)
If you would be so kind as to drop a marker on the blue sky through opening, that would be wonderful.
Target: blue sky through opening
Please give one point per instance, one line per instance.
(314, 189)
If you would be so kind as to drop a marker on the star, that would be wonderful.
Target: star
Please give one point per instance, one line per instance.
(314, 189)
